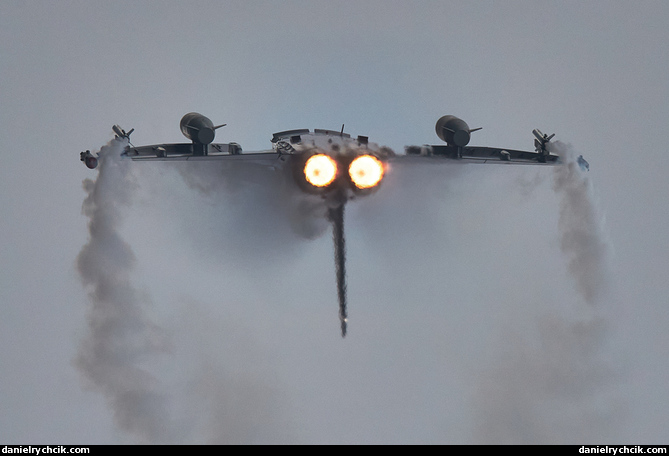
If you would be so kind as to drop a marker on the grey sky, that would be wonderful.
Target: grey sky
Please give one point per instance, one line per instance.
(465, 324)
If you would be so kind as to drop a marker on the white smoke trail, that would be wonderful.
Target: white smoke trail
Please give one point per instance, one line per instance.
(212, 404)
(121, 336)
(581, 225)
(553, 390)
(542, 391)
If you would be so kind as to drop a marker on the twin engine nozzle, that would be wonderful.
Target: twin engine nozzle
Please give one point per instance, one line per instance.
(364, 171)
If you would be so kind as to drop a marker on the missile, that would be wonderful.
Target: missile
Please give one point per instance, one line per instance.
(121, 133)
(541, 136)
(90, 160)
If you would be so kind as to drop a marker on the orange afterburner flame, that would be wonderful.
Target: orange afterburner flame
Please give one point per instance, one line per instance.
(366, 171)
(320, 170)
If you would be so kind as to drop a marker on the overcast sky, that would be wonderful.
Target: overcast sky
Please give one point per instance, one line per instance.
(472, 318)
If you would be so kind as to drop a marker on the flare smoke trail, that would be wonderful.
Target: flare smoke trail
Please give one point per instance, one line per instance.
(553, 394)
(121, 336)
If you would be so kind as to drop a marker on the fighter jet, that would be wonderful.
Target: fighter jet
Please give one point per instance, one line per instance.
(332, 164)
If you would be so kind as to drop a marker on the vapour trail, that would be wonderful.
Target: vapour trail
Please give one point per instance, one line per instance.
(121, 336)
(269, 205)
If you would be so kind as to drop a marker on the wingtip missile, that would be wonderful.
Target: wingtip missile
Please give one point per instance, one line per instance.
(90, 160)
(541, 143)
(542, 136)
(121, 133)
(538, 134)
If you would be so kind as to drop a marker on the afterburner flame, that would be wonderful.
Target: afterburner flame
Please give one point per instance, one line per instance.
(320, 170)
(366, 171)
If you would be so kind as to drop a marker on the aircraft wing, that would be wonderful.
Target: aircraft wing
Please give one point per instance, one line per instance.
(478, 155)
(177, 152)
